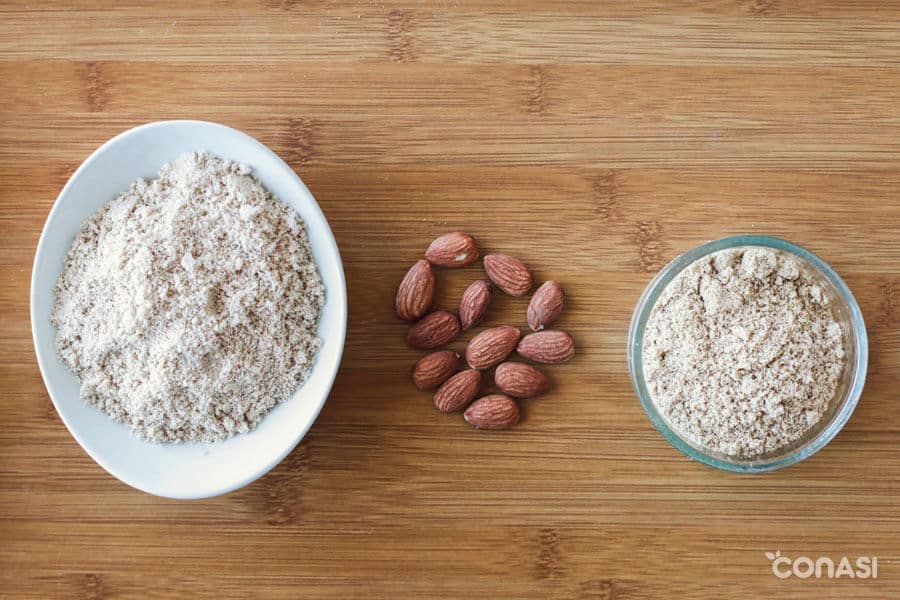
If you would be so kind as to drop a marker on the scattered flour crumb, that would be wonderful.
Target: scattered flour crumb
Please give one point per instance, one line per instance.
(742, 353)
(188, 306)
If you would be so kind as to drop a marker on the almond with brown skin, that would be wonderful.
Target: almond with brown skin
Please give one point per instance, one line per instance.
(435, 329)
(474, 304)
(495, 411)
(454, 249)
(508, 273)
(416, 291)
(520, 380)
(546, 305)
(458, 391)
(491, 346)
(547, 347)
(434, 369)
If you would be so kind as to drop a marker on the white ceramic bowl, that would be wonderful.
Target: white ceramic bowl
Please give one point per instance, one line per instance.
(182, 470)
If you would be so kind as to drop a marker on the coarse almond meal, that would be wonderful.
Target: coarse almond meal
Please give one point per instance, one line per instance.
(188, 306)
(742, 353)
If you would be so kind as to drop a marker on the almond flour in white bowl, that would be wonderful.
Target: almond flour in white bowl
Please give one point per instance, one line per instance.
(192, 469)
(188, 306)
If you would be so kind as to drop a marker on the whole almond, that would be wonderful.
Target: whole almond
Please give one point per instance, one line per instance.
(546, 305)
(435, 329)
(474, 304)
(547, 347)
(520, 380)
(491, 346)
(416, 291)
(434, 369)
(458, 391)
(454, 249)
(508, 273)
(495, 411)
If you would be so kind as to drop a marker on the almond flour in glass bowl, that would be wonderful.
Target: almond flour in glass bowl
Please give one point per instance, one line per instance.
(848, 337)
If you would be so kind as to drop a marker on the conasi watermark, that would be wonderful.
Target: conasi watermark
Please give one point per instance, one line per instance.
(804, 567)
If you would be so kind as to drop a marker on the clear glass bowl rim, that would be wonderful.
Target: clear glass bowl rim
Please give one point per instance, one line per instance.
(648, 300)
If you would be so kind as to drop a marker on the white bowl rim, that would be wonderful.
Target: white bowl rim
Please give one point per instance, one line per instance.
(340, 297)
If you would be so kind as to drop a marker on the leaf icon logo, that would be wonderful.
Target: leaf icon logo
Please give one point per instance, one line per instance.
(771, 556)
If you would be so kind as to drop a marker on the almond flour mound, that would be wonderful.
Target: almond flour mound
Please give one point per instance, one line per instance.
(188, 306)
(742, 353)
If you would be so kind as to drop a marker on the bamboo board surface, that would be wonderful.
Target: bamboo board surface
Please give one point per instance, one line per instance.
(594, 141)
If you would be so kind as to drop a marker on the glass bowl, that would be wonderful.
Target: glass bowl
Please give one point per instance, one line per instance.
(849, 389)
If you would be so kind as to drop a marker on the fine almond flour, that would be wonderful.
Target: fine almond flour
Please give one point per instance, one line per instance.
(188, 306)
(742, 353)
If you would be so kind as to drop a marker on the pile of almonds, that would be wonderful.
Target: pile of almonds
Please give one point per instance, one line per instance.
(456, 389)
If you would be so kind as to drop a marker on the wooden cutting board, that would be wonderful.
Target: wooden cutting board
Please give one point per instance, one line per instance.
(596, 143)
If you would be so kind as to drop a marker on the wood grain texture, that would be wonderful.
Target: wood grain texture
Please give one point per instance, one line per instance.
(595, 141)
